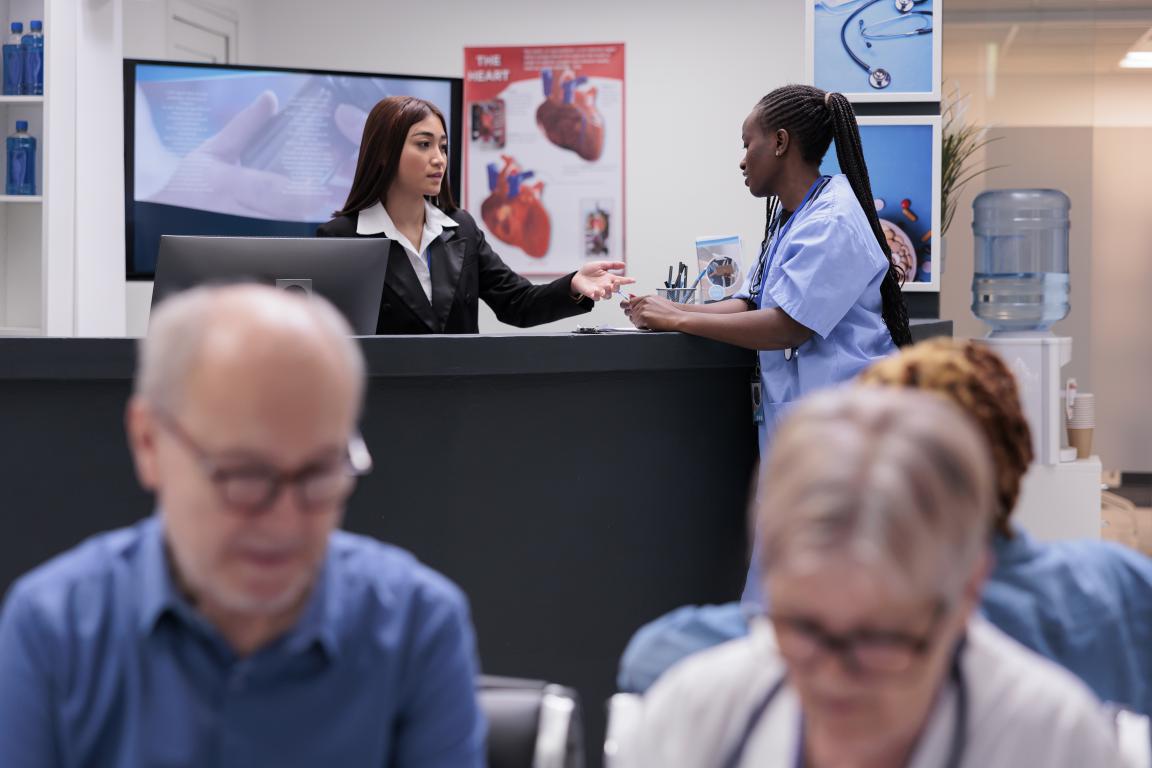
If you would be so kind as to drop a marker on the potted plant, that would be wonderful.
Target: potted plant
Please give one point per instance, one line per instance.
(961, 141)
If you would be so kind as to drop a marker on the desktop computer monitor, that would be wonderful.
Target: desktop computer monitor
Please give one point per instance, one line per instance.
(349, 272)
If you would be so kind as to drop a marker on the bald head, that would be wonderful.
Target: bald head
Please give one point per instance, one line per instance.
(246, 331)
(238, 387)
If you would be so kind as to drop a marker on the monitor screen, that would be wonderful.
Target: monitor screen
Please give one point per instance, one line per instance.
(348, 271)
(228, 150)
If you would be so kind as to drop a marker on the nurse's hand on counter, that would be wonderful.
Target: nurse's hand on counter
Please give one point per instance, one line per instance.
(653, 313)
(595, 281)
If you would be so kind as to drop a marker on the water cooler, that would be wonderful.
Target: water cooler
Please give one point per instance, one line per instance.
(1036, 359)
(1020, 288)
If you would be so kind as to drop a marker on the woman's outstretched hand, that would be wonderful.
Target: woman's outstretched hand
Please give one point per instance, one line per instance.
(595, 281)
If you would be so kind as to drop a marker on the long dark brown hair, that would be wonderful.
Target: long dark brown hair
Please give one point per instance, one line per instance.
(380, 147)
(813, 118)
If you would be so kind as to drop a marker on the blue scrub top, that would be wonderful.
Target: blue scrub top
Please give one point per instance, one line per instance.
(824, 268)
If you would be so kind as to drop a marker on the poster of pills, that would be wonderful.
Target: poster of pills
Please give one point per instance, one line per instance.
(903, 159)
(544, 153)
(874, 50)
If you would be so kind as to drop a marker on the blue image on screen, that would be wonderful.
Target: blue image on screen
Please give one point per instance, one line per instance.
(892, 39)
(239, 151)
(899, 161)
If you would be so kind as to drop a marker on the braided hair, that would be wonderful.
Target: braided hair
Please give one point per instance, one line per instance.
(813, 118)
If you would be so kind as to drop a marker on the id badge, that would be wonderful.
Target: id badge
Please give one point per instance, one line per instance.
(757, 396)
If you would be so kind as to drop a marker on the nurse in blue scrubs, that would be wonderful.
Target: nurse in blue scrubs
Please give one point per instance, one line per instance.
(822, 303)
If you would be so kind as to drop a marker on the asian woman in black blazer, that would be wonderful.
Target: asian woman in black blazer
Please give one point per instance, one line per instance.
(440, 264)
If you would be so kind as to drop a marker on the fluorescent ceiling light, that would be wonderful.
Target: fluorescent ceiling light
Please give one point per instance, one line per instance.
(1139, 56)
(1137, 60)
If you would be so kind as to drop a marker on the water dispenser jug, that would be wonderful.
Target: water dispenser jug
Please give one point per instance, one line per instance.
(1021, 261)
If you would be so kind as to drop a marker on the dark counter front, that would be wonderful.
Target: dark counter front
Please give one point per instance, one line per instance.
(574, 486)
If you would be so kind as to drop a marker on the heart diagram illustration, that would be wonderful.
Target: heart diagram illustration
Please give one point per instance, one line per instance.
(568, 117)
(513, 210)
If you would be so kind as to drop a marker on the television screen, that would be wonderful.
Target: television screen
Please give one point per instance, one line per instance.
(239, 151)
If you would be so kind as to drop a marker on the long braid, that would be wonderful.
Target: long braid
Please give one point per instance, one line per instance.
(772, 209)
(813, 118)
(771, 222)
(850, 154)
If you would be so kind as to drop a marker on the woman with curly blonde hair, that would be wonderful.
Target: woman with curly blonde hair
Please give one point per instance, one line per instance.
(1085, 604)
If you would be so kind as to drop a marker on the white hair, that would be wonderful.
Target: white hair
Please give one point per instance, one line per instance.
(894, 477)
(180, 325)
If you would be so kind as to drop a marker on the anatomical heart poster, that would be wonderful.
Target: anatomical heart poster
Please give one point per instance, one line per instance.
(544, 153)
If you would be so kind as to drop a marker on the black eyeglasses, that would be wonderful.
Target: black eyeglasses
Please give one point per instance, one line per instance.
(803, 641)
(251, 489)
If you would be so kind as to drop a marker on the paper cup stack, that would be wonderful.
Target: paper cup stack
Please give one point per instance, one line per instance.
(1081, 423)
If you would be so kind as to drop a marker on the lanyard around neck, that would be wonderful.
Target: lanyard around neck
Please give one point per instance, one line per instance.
(777, 232)
(959, 722)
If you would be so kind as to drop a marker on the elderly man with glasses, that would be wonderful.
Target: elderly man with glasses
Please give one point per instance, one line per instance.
(236, 626)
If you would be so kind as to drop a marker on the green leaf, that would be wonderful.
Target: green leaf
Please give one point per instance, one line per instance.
(960, 142)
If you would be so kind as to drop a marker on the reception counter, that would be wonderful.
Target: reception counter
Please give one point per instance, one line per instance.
(574, 486)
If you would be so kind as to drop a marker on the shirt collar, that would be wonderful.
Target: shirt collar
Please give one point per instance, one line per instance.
(159, 596)
(158, 593)
(375, 220)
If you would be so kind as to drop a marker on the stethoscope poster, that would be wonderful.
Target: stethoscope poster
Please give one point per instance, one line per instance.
(903, 158)
(875, 50)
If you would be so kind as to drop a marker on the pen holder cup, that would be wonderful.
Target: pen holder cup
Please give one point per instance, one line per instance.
(678, 295)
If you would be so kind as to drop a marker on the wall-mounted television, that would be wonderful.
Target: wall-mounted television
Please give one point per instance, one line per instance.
(263, 151)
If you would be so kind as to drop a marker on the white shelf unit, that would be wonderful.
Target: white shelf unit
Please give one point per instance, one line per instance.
(24, 219)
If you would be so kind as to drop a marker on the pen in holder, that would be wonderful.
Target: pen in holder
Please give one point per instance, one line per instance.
(686, 295)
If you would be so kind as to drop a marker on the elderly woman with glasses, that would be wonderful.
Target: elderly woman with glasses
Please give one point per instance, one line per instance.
(874, 522)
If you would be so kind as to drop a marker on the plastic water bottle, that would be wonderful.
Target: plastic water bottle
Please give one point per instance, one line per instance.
(14, 61)
(33, 45)
(21, 176)
(1021, 265)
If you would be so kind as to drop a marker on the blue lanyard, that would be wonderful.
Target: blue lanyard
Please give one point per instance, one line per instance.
(769, 251)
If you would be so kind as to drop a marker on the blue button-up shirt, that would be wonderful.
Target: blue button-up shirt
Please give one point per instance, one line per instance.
(1087, 605)
(104, 663)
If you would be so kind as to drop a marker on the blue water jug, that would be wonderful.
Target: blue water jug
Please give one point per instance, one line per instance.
(1021, 264)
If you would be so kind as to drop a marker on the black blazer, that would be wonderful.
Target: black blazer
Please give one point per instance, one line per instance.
(464, 270)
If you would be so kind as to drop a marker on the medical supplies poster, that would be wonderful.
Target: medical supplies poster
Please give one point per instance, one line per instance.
(903, 159)
(544, 153)
(875, 50)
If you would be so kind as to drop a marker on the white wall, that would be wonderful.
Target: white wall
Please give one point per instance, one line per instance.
(146, 25)
(145, 29)
(100, 289)
(693, 71)
(1121, 354)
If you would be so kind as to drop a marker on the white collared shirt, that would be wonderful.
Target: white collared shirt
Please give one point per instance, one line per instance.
(1022, 710)
(374, 220)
